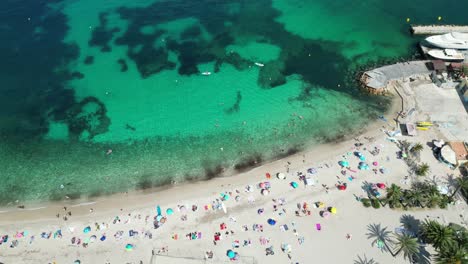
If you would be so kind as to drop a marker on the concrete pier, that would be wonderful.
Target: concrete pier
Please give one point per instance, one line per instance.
(437, 29)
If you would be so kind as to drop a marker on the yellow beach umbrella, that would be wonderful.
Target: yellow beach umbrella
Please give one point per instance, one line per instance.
(333, 210)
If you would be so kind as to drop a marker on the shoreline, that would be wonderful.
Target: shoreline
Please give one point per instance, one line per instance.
(46, 210)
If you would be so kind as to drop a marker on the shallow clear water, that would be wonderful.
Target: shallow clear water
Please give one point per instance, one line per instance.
(82, 77)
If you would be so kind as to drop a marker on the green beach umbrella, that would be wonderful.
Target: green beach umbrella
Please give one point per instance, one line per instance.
(129, 247)
(169, 211)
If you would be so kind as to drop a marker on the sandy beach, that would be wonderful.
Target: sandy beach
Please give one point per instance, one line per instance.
(121, 228)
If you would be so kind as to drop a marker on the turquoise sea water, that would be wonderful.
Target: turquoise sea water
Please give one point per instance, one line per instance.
(79, 78)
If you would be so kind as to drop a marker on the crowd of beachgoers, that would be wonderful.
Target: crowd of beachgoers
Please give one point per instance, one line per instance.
(284, 212)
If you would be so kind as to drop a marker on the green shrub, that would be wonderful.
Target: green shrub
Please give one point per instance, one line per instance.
(366, 202)
(375, 203)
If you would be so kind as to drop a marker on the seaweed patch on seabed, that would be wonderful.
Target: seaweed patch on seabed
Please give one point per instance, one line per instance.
(79, 120)
(300, 56)
(101, 35)
(249, 163)
(236, 106)
(33, 68)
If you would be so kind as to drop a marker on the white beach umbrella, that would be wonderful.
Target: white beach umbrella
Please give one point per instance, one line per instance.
(281, 176)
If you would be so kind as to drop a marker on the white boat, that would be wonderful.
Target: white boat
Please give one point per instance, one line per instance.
(259, 64)
(446, 54)
(206, 73)
(454, 40)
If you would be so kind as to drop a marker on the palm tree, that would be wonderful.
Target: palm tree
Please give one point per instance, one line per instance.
(422, 170)
(432, 200)
(416, 150)
(408, 245)
(394, 195)
(379, 235)
(417, 198)
(461, 182)
(365, 260)
(456, 254)
(418, 147)
(438, 235)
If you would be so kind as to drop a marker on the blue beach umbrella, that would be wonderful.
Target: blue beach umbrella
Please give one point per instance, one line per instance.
(231, 254)
(158, 209)
(271, 222)
(225, 196)
(344, 163)
(294, 185)
(169, 211)
(362, 158)
(87, 229)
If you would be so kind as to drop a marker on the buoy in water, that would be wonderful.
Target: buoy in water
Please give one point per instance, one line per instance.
(439, 18)
(408, 19)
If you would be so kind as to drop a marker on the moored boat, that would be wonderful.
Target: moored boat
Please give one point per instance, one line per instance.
(446, 54)
(454, 40)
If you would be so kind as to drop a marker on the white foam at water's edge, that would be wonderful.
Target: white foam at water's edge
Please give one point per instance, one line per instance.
(83, 204)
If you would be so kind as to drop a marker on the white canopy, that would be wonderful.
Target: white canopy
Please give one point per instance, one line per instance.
(449, 155)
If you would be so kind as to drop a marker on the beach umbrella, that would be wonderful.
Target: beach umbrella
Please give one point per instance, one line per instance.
(312, 170)
(286, 247)
(344, 163)
(265, 192)
(362, 157)
(158, 210)
(383, 170)
(129, 247)
(375, 163)
(231, 254)
(87, 229)
(271, 222)
(169, 211)
(324, 214)
(262, 185)
(294, 185)
(333, 210)
(159, 217)
(381, 185)
(77, 261)
(103, 238)
(281, 176)
(225, 196)
(163, 220)
(92, 239)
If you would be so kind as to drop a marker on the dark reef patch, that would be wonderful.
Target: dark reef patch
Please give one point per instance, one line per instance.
(89, 60)
(88, 115)
(33, 69)
(271, 75)
(190, 54)
(150, 60)
(123, 65)
(191, 32)
(236, 106)
(101, 35)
